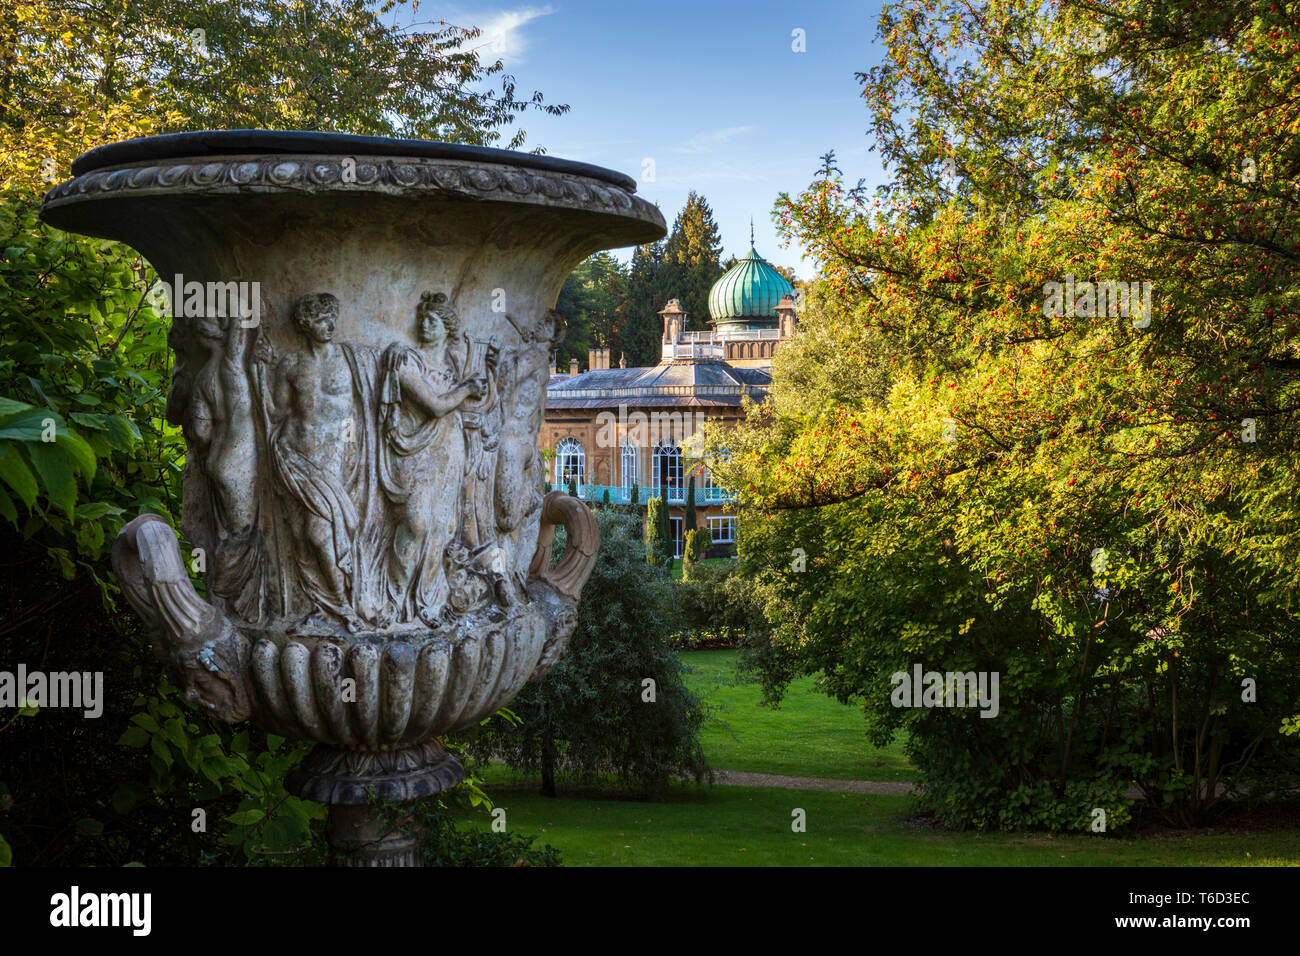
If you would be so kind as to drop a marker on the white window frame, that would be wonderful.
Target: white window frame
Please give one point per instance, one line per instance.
(568, 450)
(630, 461)
(670, 450)
(677, 528)
(722, 521)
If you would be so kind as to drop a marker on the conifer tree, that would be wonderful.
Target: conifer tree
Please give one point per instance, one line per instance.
(689, 522)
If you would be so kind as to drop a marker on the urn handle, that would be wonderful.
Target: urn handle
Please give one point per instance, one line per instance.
(151, 572)
(574, 567)
(207, 652)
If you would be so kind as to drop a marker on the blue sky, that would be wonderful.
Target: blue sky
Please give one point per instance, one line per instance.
(711, 92)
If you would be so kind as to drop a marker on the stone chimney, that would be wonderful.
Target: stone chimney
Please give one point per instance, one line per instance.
(674, 322)
(573, 366)
(785, 316)
(622, 360)
(597, 359)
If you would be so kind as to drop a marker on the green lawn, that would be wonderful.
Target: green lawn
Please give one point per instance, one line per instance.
(809, 735)
(751, 826)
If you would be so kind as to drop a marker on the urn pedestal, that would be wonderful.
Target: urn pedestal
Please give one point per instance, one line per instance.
(362, 331)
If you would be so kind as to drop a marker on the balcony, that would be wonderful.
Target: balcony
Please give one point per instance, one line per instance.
(694, 351)
(707, 345)
(619, 495)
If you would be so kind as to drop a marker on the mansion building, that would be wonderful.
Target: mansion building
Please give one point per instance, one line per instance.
(612, 428)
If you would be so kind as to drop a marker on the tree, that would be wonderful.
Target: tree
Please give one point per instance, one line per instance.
(1079, 492)
(84, 349)
(689, 521)
(617, 702)
(640, 328)
(81, 72)
(592, 300)
(654, 545)
(693, 549)
(691, 260)
(684, 266)
(665, 532)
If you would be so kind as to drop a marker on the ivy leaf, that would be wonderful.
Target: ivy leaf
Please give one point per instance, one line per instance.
(246, 818)
(94, 510)
(10, 407)
(160, 749)
(147, 722)
(28, 424)
(134, 737)
(54, 466)
(122, 433)
(82, 457)
(16, 474)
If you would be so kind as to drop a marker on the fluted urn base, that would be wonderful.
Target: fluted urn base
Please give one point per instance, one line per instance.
(348, 780)
(351, 777)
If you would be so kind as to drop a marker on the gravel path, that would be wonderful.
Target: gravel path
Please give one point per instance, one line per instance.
(740, 778)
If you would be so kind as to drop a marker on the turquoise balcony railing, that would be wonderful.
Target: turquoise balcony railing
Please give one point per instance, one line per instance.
(619, 495)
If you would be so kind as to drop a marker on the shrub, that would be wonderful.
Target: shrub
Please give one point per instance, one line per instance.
(443, 843)
(592, 714)
(654, 547)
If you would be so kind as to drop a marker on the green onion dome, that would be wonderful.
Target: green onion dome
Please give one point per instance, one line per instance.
(747, 294)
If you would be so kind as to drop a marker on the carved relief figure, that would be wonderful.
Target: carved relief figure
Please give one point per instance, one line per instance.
(482, 441)
(214, 408)
(520, 470)
(423, 458)
(319, 434)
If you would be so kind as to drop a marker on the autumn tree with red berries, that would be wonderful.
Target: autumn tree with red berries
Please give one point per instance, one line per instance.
(993, 467)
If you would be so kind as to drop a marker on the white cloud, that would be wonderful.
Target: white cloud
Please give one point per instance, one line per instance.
(503, 34)
(707, 141)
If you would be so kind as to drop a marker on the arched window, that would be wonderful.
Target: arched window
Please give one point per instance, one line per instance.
(667, 474)
(630, 462)
(570, 462)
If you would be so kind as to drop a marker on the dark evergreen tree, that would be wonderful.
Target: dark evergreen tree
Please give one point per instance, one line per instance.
(592, 301)
(639, 328)
(689, 522)
(594, 712)
(665, 531)
(654, 546)
(692, 259)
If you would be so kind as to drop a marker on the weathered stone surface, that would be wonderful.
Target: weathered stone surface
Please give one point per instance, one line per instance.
(362, 480)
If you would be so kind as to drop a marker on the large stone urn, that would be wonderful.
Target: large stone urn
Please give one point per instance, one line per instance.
(362, 333)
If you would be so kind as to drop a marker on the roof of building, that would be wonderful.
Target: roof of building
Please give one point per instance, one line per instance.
(749, 289)
(667, 384)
